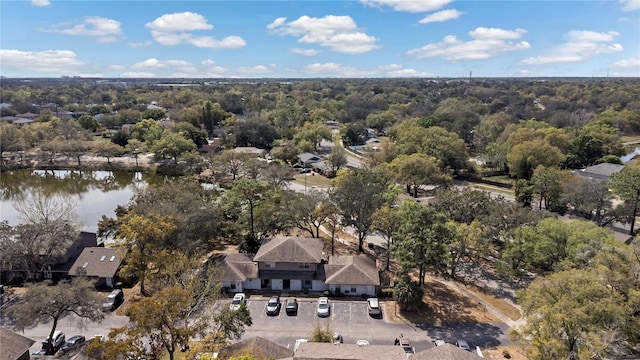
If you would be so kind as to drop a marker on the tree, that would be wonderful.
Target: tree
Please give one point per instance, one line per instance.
(590, 198)
(9, 139)
(162, 319)
(467, 242)
(358, 194)
(108, 150)
(337, 159)
(309, 211)
(230, 324)
(249, 192)
(75, 149)
(535, 152)
(418, 170)
(232, 162)
(464, 205)
(88, 122)
(422, 239)
(387, 221)
(148, 131)
(573, 315)
(43, 302)
(155, 114)
(313, 133)
(626, 184)
(547, 183)
(408, 293)
(141, 238)
(173, 145)
(585, 151)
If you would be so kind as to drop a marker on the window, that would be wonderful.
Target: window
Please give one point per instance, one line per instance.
(233, 286)
(84, 266)
(303, 265)
(112, 258)
(307, 283)
(269, 265)
(353, 289)
(102, 258)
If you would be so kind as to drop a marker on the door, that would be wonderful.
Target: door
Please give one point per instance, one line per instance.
(286, 284)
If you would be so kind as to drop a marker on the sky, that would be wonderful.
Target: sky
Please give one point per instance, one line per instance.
(319, 39)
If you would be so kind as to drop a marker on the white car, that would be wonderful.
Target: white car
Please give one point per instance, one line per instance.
(362, 342)
(324, 309)
(463, 345)
(373, 307)
(238, 300)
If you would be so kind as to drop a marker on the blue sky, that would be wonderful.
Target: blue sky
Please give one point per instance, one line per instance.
(308, 39)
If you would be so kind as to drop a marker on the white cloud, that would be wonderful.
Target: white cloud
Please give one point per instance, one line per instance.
(103, 29)
(305, 52)
(413, 6)
(40, 3)
(256, 70)
(633, 62)
(485, 43)
(177, 28)
(136, 45)
(137, 75)
(580, 45)
(332, 69)
(338, 33)
(117, 67)
(441, 16)
(59, 62)
(630, 5)
(154, 63)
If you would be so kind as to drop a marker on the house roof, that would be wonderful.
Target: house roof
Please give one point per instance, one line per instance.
(236, 267)
(291, 249)
(445, 352)
(352, 270)
(309, 157)
(326, 351)
(97, 262)
(603, 169)
(248, 150)
(22, 121)
(258, 347)
(13, 345)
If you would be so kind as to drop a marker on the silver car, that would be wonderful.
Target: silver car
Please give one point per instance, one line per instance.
(373, 307)
(273, 305)
(324, 309)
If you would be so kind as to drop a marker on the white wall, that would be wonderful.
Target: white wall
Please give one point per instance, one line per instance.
(296, 285)
(276, 284)
(252, 284)
(360, 289)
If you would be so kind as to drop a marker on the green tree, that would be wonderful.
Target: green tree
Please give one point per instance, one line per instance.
(408, 293)
(547, 184)
(141, 238)
(45, 302)
(573, 315)
(358, 194)
(148, 130)
(387, 221)
(321, 335)
(536, 152)
(422, 239)
(626, 184)
(337, 159)
(417, 171)
(173, 145)
(88, 122)
(314, 133)
(468, 241)
(590, 198)
(108, 150)
(9, 139)
(249, 193)
(155, 114)
(464, 205)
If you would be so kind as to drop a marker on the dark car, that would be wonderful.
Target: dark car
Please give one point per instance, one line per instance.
(291, 306)
(273, 305)
(72, 341)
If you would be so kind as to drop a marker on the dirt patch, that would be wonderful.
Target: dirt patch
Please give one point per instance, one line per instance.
(131, 296)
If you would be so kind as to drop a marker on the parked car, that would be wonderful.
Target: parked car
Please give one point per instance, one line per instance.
(113, 300)
(406, 346)
(437, 343)
(362, 342)
(324, 309)
(291, 306)
(73, 341)
(463, 345)
(337, 338)
(273, 305)
(237, 301)
(49, 346)
(373, 307)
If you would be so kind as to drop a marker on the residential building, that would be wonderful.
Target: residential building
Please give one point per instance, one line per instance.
(100, 263)
(291, 263)
(238, 272)
(352, 275)
(14, 346)
(258, 347)
(600, 171)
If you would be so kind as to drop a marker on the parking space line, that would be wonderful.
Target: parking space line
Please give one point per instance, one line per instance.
(350, 311)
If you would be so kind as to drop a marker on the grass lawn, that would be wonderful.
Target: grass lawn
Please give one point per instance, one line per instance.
(312, 180)
(633, 138)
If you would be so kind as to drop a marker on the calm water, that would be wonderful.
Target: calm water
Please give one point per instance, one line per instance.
(95, 193)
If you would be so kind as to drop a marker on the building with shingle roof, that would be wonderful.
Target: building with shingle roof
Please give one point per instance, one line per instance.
(258, 347)
(291, 263)
(14, 346)
(98, 262)
(352, 275)
(238, 272)
(445, 352)
(326, 351)
(600, 171)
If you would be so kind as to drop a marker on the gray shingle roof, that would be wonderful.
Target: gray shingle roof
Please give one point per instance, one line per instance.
(12, 345)
(351, 270)
(291, 249)
(97, 261)
(236, 267)
(349, 352)
(445, 352)
(601, 170)
(258, 347)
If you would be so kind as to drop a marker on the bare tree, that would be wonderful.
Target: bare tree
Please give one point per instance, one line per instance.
(43, 302)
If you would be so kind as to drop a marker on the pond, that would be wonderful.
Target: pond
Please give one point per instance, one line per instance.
(95, 193)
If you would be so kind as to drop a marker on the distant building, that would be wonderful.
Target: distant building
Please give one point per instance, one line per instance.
(14, 346)
(600, 171)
